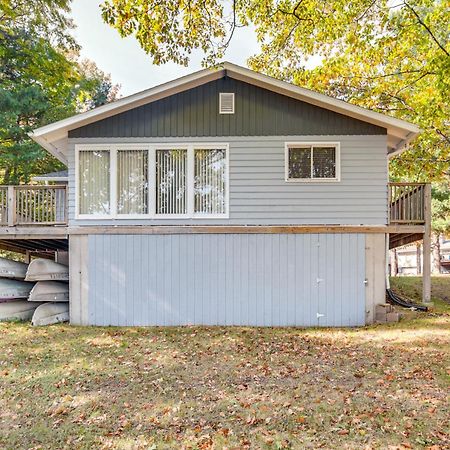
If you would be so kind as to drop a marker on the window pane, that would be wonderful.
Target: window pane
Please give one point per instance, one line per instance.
(209, 181)
(299, 163)
(94, 182)
(132, 181)
(324, 162)
(171, 168)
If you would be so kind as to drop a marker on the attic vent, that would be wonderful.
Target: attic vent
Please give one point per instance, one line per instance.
(226, 103)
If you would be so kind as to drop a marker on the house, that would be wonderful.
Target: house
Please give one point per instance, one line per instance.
(227, 197)
(407, 260)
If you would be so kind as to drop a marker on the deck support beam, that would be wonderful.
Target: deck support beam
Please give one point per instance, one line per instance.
(426, 269)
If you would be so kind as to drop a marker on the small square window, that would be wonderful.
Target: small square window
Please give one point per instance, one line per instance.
(226, 103)
(312, 162)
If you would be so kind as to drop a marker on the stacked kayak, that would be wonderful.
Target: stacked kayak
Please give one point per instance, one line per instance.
(14, 291)
(38, 291)
(41, 269)
(49, 313)
(17, 310)
(49, 291)
(12, 269)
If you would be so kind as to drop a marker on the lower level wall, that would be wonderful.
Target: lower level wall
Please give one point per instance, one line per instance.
(332, 279)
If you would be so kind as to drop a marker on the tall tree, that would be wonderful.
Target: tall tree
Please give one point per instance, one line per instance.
(40, 82)
(393, 57)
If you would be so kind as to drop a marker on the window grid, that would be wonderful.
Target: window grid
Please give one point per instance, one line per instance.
(182, 206)
(323, 146)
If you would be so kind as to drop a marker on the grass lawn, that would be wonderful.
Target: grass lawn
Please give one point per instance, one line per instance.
(411, 287)
(379, 387)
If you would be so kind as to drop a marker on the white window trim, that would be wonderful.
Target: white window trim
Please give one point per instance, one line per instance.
(220, 102)
(289, 145)
(151, 148)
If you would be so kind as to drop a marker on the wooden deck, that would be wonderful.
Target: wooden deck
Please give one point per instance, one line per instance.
(40, 212)
(409, 206)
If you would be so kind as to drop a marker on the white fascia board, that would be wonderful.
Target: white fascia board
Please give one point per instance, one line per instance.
(50, 147)
(399, 131)
(401, 146)
(132, 101)
(38, 178)
(318, 99)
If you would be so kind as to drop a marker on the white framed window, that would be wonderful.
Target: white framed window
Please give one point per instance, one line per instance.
(226, 103)
(210, 181)
(171, 182)
(312, 162)
(131, 181)
(94, 182)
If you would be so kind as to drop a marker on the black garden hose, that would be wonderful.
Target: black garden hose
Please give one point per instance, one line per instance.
(396, 300)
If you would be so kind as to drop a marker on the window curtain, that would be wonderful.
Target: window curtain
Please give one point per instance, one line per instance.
(171, 166)
(209, 181)
(94, 169)
(132, 182)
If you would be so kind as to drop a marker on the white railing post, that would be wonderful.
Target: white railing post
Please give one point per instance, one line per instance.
(11, 206)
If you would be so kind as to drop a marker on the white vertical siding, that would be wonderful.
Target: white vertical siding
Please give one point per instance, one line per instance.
(227, 279)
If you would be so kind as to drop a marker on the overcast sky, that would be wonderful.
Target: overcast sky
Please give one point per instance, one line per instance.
(127, 62)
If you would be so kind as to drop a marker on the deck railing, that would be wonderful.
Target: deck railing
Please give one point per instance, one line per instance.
(47, 205)
(33, 205)
(408, 203)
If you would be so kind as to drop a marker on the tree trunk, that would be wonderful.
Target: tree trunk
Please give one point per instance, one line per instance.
(436, 253)
(6, 176)
(418, 258)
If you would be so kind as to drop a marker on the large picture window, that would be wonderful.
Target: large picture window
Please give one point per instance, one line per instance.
(152, 181)
(312, 162)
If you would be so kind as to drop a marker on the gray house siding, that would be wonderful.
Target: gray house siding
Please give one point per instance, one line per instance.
(195, 112)
(259, 194)
(263, 280)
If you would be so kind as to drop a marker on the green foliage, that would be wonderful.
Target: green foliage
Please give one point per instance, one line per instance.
(440, 206)
(392, 57)
(40, 82)
(171, 30)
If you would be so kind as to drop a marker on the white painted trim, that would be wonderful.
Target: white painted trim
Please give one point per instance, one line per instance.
(152, 148)
(220, 102)
(316, 98)
(311, 144)
(400, 132)
(47, 179)
(127, 103)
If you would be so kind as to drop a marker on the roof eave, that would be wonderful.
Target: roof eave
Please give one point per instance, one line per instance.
(400, 131)
(129, 102)
(52, 149)
(403, 144)
(323, 100)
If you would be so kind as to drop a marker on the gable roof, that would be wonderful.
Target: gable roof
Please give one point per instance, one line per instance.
(53, 137)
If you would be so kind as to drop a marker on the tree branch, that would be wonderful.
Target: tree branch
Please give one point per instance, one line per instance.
(426, 28)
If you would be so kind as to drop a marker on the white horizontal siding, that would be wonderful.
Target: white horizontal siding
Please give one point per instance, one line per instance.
(259, 195)
(233, 279)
